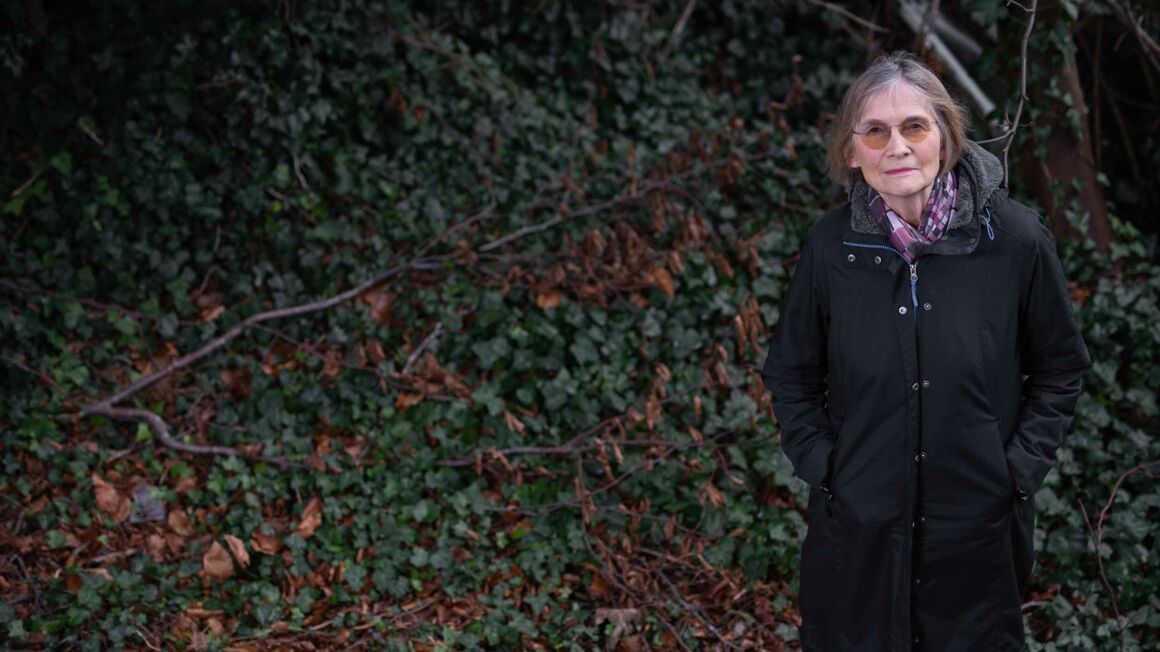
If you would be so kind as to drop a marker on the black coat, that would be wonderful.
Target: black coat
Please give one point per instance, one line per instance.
(923, 405)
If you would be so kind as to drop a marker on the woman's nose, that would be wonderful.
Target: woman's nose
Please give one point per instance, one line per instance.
(897, 145)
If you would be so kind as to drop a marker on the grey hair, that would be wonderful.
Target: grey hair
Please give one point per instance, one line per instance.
(888, 70)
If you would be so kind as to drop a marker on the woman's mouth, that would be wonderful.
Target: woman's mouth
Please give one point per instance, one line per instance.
(895, 173)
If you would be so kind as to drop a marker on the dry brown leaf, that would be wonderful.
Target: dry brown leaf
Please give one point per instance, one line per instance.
(664, 281)
(239, 549)
(380, 301)
(109, 500)
(407, 400)
(266, 544)
(714, 495)
(599, 588)
(216, 563)
(311, 518)
(513, 422)
(548, 300)
(73, 582)
(210, 314)
(238, 379)
(332, 365)
(180, 523)
(155, 546)
(375, 351)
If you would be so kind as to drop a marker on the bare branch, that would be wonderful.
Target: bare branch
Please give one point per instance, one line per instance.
(237, 330)
(161, 429)
(912, 14)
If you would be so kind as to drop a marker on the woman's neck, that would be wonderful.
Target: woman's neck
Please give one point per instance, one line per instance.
(911, 211)
(909, 207)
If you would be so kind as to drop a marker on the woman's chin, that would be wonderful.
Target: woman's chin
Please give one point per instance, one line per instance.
(899, 187)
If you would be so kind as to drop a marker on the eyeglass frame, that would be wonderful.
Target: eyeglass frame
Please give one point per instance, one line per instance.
(926, 132)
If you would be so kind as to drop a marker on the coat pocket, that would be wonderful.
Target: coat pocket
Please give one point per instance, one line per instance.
(837, 421)
(1023, 542)
(999, 458)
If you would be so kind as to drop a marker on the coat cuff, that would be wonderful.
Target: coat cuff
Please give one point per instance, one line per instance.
(1025, 483)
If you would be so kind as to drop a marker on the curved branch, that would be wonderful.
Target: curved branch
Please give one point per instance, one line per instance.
(107, 406)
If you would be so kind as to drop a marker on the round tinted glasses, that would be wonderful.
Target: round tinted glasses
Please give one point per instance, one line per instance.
(876, 135)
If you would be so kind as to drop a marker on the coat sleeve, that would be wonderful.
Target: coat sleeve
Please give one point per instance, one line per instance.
(1054, 359)
(795, 372)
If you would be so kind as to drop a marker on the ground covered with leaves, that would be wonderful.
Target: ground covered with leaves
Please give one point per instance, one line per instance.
(541, 425)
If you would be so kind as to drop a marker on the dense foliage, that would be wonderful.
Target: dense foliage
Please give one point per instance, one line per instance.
(556, 441)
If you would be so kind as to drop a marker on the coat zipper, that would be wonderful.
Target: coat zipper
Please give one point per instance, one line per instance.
(913, 268)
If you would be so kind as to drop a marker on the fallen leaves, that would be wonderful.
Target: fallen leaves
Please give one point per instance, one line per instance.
(311, 518)
(180, 522)
(216, 563)
(109, 500)
(238, 548)
(549, 299)
(220, 564)
(265, 543)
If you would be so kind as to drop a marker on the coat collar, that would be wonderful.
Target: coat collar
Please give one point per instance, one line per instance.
(980, 174)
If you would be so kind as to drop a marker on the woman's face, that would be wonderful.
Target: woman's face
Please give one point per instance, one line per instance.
(902, 172)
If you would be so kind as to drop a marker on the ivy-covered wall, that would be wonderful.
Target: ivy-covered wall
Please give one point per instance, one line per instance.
(546, 430)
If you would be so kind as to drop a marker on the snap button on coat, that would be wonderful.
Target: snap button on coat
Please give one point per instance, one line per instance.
(1009, 359)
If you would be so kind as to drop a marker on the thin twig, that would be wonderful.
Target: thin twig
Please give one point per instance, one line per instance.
(1097, 533)
(640, 194)
(1009, 135)
(608, 570)
(92, 303)
(25, 368)
(1149, 47)
(842, 11)
(27, 184)
(675, 35)
(571, 446)
(298, 173)
(428, 342)
(696, 611)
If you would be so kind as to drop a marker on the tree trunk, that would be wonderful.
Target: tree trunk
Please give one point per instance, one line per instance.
(1069, 158)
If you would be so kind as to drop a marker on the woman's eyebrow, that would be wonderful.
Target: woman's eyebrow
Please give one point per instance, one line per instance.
(906, 119)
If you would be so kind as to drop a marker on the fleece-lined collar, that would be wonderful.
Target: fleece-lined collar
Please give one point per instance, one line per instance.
(978, 173)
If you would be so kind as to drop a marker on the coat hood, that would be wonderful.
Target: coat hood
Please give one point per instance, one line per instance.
(979, 175)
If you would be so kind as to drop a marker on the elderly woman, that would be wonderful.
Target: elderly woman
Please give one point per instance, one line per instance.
(924, 370)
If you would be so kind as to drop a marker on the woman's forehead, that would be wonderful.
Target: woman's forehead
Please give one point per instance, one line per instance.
(895, 103)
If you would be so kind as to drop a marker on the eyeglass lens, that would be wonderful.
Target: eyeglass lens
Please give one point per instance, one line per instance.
(877, 134)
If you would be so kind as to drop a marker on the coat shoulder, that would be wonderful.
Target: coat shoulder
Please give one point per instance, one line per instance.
(1021, 222)
(829, 228)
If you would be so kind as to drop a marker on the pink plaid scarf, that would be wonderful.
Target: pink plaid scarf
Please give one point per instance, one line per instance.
(936, 215)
